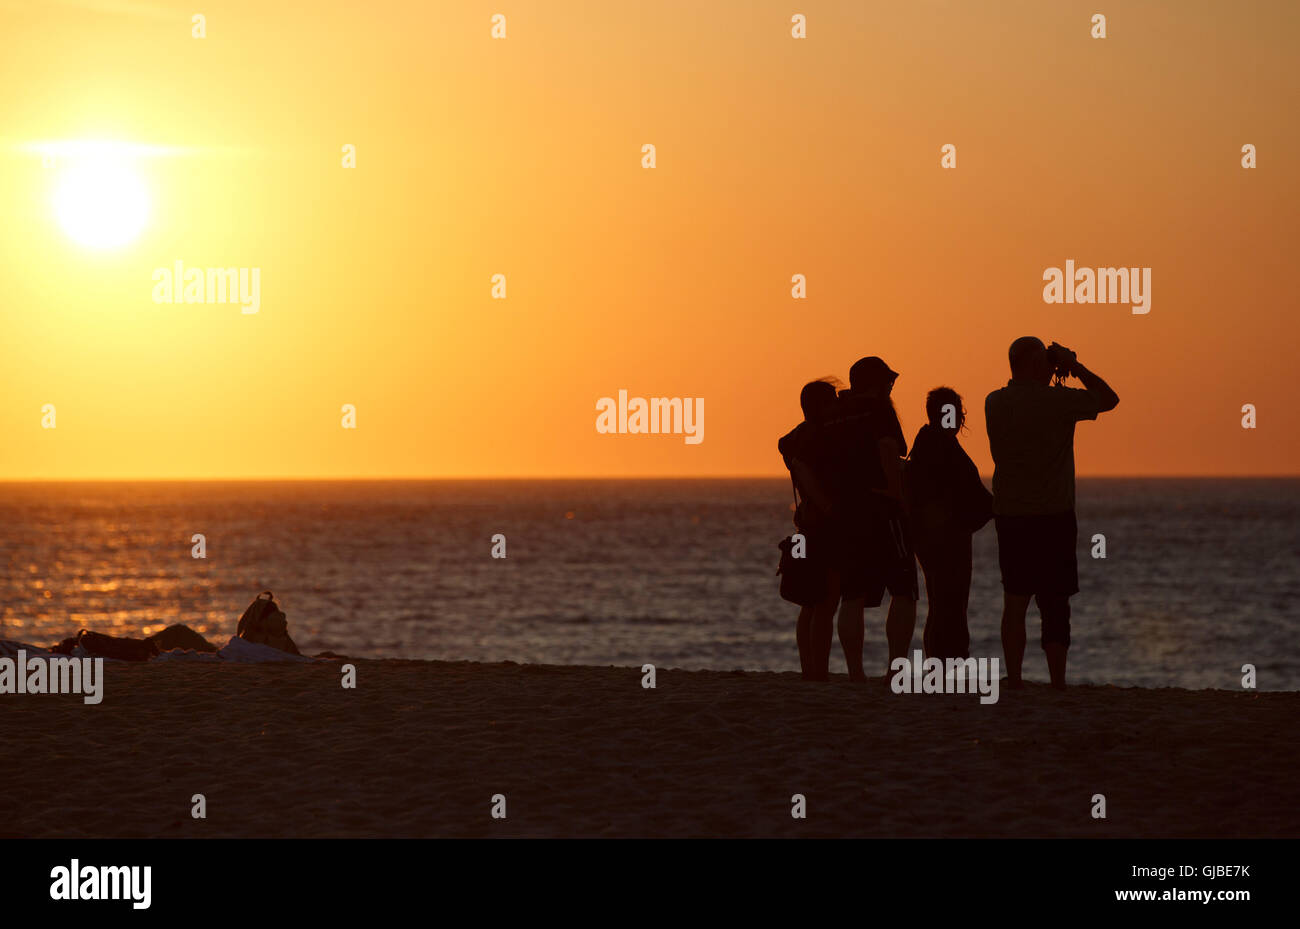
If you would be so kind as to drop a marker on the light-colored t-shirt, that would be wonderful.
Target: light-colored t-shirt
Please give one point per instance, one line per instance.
(1031, 436)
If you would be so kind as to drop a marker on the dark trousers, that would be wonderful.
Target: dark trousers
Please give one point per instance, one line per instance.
(946, 562)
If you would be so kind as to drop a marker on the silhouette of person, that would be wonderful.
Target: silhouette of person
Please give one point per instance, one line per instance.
(1031, 435)
(809, 456)
(947, 502)
(876, 554)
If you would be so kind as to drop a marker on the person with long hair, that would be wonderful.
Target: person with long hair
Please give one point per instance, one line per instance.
(947, 503)
(807, 452)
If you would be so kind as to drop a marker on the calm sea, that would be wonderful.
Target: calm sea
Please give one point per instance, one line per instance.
(1201, 576)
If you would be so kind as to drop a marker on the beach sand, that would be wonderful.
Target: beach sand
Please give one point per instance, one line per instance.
(420, 747)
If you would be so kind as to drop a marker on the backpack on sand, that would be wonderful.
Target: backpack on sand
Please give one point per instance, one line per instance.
(265, 623)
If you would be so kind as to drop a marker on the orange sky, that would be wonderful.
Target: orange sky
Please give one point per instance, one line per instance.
(523, 156)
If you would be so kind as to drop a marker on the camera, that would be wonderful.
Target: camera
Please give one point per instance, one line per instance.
(1061, 360)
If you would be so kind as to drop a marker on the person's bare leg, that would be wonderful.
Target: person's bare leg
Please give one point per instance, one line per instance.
(899, 626)
(930, 630)
(1014, 607)
(1056, 653)
(1056, 628)
(803, 637)
(852, 633)
(823, 632)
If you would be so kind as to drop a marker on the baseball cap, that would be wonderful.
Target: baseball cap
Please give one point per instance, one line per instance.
(871, 371)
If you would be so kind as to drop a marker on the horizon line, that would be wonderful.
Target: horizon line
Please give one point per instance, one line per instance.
(560, 477)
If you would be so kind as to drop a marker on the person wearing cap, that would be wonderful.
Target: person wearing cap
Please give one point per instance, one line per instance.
(876, 553)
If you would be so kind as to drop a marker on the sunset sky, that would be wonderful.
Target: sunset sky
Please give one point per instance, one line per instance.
(523, 156)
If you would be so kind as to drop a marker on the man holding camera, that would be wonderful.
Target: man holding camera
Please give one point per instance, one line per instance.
(1031, 435)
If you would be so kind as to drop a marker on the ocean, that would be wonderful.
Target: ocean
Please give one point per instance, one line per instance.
(1201, 576)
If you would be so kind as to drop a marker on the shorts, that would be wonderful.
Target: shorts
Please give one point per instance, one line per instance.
(875, 556)
(1037, 554)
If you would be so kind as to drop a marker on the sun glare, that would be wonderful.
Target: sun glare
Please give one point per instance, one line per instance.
(99, 199)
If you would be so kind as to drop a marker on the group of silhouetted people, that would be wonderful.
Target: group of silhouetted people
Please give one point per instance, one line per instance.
(868, 509)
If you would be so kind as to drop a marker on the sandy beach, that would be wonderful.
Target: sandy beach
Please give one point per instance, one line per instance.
(419, 748)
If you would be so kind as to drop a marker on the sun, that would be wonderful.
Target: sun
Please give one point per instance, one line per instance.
(99, 199)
